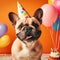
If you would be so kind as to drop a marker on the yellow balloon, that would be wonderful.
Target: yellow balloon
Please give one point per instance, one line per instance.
(51, 2)
(4, 41)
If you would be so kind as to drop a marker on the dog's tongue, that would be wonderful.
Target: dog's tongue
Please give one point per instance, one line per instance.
(28, 37)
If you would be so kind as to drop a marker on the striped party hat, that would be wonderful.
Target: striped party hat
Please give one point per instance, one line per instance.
(21, 11)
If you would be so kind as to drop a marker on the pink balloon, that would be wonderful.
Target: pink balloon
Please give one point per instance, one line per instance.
(57, 5)
(49, 15)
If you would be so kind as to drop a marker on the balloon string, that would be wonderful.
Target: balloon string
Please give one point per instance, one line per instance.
(58, 43)
(57, 35)
(52, 38)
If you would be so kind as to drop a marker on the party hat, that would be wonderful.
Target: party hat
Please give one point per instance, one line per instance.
(21, 11)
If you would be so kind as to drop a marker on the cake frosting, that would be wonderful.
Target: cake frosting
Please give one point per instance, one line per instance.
(55, 54)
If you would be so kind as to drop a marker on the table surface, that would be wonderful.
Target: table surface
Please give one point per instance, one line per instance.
(8, 57)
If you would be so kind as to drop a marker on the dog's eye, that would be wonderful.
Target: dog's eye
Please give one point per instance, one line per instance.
(35, 24)
(20, 26)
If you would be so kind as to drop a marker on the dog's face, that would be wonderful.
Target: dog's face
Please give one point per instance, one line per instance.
(27, 29)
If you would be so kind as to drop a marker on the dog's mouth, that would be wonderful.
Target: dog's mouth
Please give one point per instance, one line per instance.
(34, 37)
(23, 37)
(29, 37)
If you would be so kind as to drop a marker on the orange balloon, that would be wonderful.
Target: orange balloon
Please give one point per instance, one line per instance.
(4, 41)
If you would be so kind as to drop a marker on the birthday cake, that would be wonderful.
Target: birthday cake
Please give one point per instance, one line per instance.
(55, 55)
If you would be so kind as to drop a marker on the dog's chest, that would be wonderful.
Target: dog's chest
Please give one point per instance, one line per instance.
(28, 50)
(25, 51)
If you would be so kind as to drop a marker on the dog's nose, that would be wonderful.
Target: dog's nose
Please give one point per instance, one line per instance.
(28, 30)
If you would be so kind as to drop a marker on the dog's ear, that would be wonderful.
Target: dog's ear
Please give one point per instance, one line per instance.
(38, 15)
(13, 17)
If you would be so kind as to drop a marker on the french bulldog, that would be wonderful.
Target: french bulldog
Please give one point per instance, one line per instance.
(26, 46)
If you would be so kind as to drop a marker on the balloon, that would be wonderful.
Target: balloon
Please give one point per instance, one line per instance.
(56, 25)
(4, 41)
(51, 2)
(57, 5)
(49, 15)
(3, 29)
